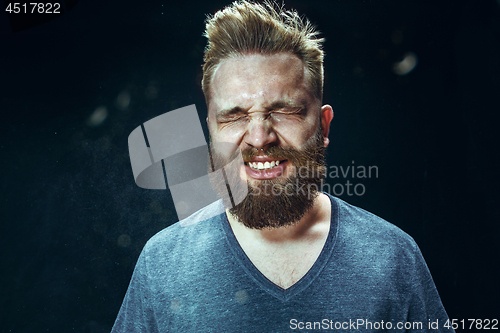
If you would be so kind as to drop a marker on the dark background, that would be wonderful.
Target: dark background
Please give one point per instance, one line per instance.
(73, 222)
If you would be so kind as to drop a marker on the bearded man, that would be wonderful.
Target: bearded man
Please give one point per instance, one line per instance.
(288, 256)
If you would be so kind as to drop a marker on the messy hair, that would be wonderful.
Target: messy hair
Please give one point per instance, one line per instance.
(246, 27)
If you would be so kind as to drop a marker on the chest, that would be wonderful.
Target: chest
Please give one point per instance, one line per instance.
(284, 266)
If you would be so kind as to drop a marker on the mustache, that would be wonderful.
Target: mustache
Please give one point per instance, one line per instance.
(310, 152)
(274, 152)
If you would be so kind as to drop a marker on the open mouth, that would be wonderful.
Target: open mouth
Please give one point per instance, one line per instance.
(264, 165)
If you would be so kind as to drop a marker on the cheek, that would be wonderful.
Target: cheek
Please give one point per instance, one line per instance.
(294, 137)
(231, 135)
(297, 132)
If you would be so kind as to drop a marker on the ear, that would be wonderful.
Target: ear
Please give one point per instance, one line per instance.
(326, 118)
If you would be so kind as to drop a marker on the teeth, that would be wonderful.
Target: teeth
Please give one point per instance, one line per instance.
(263, 166)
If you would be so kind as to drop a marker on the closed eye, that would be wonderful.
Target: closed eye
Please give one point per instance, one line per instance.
(288, 114)
(231, 118)
(231, 115)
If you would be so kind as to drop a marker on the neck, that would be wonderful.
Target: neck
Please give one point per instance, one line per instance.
(314, 222)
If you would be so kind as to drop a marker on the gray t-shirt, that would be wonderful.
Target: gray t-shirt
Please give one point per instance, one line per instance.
(370, 276)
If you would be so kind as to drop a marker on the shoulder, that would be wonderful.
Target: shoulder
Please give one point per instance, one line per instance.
(187, 238)
(366, 235)
(358, 222)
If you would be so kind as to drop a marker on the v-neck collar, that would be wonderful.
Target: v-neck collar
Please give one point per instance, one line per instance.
(262, 281)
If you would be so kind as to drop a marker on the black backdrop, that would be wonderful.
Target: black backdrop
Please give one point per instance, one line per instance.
(73, 222)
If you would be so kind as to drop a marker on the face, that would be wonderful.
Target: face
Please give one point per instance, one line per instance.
(264, 105)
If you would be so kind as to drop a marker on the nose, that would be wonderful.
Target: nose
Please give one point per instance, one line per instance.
(260, 132)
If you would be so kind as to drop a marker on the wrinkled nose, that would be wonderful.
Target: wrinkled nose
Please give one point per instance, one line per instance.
(260, 132)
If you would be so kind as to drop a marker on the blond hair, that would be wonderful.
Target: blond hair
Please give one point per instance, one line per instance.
(245, 27)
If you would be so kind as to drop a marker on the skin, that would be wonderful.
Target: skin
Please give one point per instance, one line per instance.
(257, 101)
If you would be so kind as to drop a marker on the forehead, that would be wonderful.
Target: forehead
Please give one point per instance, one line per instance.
(256, 78)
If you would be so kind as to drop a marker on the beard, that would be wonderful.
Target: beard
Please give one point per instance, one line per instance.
(280, 202)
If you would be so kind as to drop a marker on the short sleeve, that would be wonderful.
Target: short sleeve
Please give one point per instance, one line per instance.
(425, 303)
(136, 313)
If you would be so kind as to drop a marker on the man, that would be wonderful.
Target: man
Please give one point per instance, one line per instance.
(289, 256)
